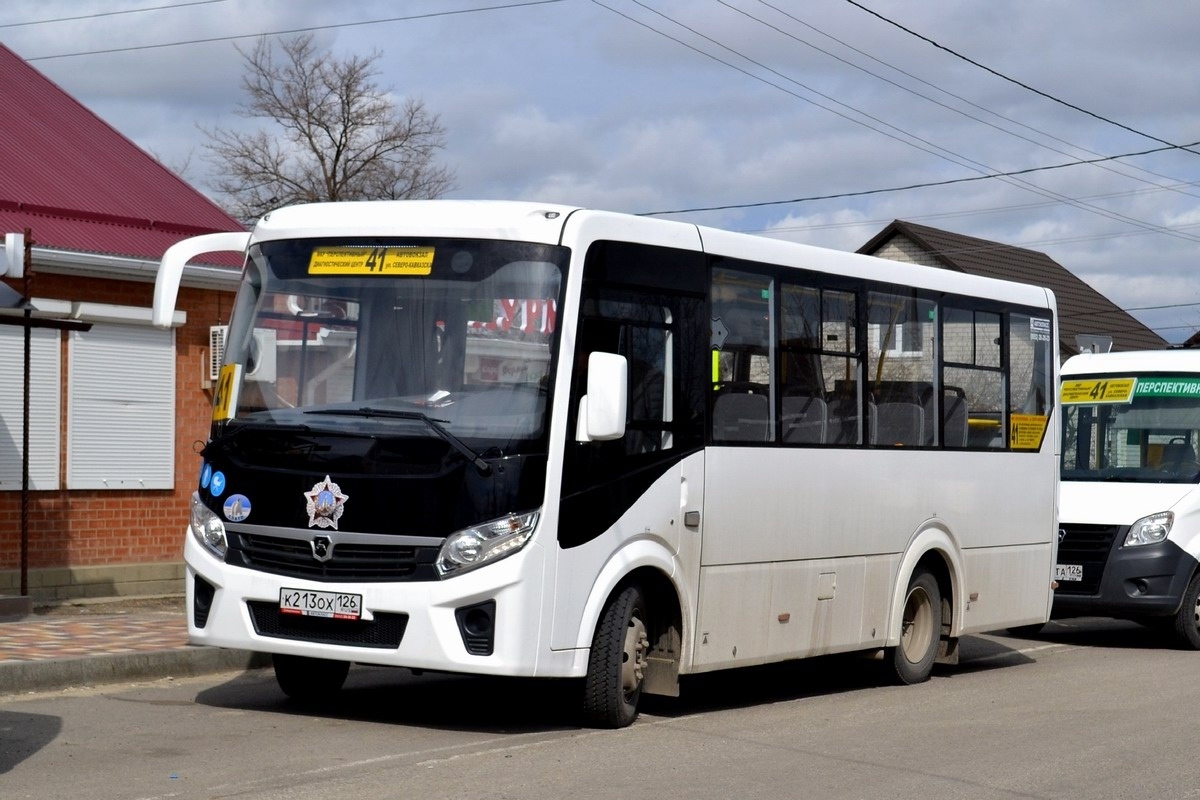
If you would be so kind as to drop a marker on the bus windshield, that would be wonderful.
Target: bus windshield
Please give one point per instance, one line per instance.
(437, 337)
(1141, 429)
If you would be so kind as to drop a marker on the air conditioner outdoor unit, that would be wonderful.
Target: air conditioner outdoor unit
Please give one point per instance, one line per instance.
(261, 361)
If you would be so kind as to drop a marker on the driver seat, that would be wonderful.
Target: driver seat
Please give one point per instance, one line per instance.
(1177, 454)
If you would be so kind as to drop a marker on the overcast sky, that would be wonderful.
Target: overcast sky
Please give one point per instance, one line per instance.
(736, 105)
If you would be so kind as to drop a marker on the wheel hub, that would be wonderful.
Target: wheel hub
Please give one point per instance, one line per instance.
(635, 656)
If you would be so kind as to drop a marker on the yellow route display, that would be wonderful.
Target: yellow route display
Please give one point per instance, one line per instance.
(1098, 390)
(371, 261)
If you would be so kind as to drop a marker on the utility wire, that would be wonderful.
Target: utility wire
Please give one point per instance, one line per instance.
(1016, 82)
(962, 160)
(939, 89)
(99, 14)
(1127, 310)
(973, 212)
(295, 30)
(925, 185)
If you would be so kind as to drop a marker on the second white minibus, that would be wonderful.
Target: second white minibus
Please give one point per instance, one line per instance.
(1129, 522)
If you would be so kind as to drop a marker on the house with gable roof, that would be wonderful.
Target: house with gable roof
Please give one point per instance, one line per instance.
(1082, 311)
(115, 412)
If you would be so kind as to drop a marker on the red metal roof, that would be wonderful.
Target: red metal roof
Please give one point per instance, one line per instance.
(79, 184)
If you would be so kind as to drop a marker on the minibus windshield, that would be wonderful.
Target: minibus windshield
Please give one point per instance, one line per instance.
(1143, 429)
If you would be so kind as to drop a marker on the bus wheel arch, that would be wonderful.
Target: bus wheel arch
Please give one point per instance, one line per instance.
(635, 649)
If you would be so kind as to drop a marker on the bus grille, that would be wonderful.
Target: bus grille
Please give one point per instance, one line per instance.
(385, 631)
(350, 561)
(1089, 546)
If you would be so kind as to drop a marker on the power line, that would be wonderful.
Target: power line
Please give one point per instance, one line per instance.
(1127, 310)
(1016, 82)
(866, 223)
(99, 14)
(295, 30)
(961, 159)
(935, 87)
(926, 185)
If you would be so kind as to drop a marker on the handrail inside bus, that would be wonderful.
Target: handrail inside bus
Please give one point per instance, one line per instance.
(170, 268)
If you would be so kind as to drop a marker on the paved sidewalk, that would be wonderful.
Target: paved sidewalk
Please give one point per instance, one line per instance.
(104, 641)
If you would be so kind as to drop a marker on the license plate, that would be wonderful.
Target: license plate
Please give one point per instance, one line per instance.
(332, 605)
(1068, 572)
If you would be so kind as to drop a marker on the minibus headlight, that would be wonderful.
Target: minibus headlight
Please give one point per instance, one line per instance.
(1150, 530)
(207, 527)
(472, 547)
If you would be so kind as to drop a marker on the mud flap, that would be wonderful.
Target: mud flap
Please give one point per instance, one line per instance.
(947, 651)
(662, 665)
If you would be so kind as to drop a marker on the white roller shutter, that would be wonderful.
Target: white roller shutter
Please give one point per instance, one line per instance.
(121, 408)
(45, 374)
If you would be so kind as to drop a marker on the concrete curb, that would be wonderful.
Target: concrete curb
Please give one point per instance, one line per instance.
(18, 677)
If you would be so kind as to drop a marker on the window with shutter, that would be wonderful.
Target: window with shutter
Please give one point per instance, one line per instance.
(121, 408)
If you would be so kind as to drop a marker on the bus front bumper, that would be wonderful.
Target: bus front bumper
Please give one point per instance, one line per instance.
(1144, 581)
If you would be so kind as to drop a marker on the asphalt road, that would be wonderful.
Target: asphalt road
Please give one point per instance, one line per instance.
(1090, 709)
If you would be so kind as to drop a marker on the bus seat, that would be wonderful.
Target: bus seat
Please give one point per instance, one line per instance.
(805, 419)
(954, 414)
(898, 424)
(739, 417)
(842, 426)
(1176, 454)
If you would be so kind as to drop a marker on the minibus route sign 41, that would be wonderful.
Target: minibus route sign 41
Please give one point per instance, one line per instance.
(1098, 390)
(371, 261)
(1124, 390)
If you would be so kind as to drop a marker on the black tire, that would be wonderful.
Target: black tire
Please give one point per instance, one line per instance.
(1187, 620)
(617, 662)
(309, 680)
(920, 630)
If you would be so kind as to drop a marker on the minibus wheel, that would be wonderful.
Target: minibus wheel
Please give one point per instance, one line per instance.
(1187, 620)
(617, 661)
(309, 679)
(920, 630)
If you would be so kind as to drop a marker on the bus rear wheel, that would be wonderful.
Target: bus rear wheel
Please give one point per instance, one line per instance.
(1187, 620)
(617, 662)
(920, 630)
(309, 680)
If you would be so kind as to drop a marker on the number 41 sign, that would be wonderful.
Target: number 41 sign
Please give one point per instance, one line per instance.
(225, 399)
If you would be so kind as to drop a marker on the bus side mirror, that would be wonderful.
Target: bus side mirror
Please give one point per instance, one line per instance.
(602, 409)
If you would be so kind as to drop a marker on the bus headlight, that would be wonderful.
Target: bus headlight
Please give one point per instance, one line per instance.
(475, 546)
(1150, 530)
(208, 528)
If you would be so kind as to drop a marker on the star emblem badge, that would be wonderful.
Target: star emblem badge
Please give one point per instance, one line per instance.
(325, 504)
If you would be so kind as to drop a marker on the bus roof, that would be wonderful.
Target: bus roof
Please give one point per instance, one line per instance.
(1133, 362)
(546, 223)
(518, 221)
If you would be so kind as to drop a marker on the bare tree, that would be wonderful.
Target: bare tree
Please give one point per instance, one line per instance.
(335, 135)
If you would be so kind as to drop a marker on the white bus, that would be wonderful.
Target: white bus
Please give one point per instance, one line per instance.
(532, 440)
(1130, 506)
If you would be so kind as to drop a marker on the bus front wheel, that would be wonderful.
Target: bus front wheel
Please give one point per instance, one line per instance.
(920, 630)
(617, 662)
(1187, 621)
(309, 680)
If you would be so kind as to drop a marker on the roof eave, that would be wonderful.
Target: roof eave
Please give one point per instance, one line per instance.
(98, 265)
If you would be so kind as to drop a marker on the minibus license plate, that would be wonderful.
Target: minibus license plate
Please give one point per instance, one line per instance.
(1068, 572)
(332, 605)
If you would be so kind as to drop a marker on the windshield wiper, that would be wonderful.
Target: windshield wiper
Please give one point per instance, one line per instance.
(434, 424)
